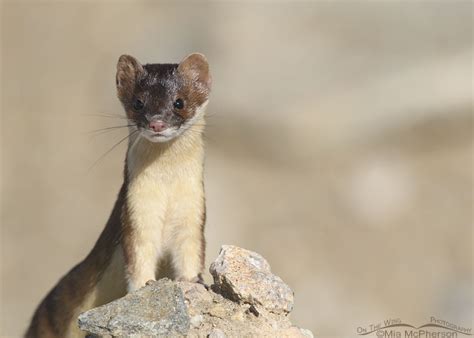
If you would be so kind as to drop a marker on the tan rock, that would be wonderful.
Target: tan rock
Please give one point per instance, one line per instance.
(245, 276)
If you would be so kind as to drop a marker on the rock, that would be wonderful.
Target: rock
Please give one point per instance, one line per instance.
(296, 332)
(307, 333)
(245, 276)
(217, 333)
(156, 309)
(196, 321)
(250, 301)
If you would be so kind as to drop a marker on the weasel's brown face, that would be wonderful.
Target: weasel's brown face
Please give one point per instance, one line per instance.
(163, 100)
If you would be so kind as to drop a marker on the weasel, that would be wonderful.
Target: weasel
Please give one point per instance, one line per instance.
(156, 227)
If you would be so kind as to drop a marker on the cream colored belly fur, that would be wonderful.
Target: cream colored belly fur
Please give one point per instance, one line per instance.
(166, 203)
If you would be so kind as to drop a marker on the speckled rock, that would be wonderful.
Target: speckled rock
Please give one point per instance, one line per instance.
(212, 313)
(157, 309)
(176, 309)
(245, 276)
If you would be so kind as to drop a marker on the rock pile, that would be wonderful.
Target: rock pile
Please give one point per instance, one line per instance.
(246, 299)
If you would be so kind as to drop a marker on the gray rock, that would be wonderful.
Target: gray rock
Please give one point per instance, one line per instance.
(157, 309)
(245, 276)
(251, 302)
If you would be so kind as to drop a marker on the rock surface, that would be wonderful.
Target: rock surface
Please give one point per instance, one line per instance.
(154, 310)
(244, 276)
(246, 300)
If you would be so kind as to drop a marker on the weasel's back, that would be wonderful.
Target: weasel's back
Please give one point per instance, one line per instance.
(83, 288)
(97, 280)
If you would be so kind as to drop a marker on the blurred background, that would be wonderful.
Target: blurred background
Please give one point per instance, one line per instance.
(339, 146)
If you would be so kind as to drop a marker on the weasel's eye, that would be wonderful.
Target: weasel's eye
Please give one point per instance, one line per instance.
(138, 105)
(178, 104)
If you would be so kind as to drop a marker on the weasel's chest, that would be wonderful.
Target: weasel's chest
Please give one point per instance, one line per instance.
(161, 200)
(165, 189)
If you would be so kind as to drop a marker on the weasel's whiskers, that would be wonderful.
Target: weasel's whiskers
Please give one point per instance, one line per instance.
(198, 133)
(102, 130)
(107, 116)
(111, 149)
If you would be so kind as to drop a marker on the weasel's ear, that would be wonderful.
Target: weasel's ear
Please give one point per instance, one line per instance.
(128, 71)
(195, 68)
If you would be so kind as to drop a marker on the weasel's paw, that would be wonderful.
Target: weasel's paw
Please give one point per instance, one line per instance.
(198, 279)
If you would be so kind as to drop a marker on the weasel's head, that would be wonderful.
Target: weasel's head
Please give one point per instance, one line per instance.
(163, 100)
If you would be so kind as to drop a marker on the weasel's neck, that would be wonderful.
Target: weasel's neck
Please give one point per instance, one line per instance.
(170, 157)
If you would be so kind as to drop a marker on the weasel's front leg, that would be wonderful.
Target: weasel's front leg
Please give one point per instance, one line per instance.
(141, 243)
(189, 247)
(142, 239)
(141, 256)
